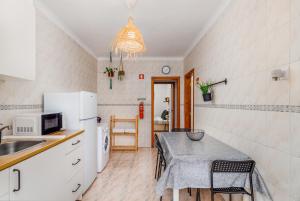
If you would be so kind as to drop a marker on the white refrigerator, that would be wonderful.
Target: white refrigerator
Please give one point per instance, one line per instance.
(79, 112)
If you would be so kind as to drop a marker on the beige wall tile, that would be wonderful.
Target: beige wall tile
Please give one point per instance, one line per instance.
(295, 83)
(295, 39)
(295, 135)
(278, 45)
(295, 9)
(278, 129)
(295, 177)
(278, 12)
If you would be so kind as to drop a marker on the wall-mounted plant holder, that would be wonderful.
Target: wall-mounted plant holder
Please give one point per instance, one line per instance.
(206, 88)
(207, 97)
(121, 72)
(216, 83)
(110, 71)
(110, 74)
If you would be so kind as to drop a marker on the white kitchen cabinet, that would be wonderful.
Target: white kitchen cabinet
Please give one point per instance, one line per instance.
(53, 175)
(40, 177)
(17, 39)
(74, 169)
(4, 185)
(75, 186)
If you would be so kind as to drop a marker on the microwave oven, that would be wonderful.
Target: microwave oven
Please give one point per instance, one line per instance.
(35, 124)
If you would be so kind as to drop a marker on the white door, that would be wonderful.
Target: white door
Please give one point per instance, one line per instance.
(88, 105)
(90, 151)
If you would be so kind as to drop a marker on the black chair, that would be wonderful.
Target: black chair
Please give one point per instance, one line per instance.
(180, 129)
(221, 166)
(160, 159)
(157, 155)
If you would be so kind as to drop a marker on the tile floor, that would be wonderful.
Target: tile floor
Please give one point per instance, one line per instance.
(129, 176)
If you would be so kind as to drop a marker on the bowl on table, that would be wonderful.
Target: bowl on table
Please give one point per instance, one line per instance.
(196, 134)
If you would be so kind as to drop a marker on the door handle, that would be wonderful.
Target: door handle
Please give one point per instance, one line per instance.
(19, 180)
(78, 160)
(74, 143)
(78, 187)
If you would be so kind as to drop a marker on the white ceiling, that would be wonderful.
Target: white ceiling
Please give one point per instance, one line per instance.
(170, 27)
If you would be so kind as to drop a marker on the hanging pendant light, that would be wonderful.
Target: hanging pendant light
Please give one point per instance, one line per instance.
(129, 40)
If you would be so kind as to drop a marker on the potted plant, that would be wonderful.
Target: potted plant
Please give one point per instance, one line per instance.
(110, 71)
(205, 88)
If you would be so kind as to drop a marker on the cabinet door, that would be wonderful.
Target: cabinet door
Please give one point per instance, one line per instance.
(4, 185)
(40, 177)
(17, 39)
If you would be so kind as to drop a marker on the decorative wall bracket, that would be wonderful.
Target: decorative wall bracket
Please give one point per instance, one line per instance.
(216, 83)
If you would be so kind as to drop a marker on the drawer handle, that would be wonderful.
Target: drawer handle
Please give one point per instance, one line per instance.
(74, 143)
(78, 187)
(19, 180)
(78, 160)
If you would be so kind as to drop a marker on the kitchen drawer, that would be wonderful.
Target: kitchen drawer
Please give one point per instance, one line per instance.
(74, 143)
(4, 182)
(74, 162)
(75, 186)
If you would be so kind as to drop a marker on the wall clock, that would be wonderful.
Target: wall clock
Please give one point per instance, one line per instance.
(166, 69)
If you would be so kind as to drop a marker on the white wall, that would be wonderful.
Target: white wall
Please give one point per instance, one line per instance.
(122, 99)
(62, 65)
(161, 91)
(253, 113)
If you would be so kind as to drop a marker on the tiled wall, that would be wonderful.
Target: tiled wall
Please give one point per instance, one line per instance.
(62, 65)
(122, 99)
(253, 113)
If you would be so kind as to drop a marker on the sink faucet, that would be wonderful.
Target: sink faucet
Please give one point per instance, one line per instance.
(1, 129)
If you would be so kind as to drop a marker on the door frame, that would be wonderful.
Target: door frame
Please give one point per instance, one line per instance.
(166, 80)
(188, 75)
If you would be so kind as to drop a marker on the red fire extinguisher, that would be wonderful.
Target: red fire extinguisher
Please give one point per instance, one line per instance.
(141, 110)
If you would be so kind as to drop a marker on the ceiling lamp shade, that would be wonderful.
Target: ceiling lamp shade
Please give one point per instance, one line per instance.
(129, 40)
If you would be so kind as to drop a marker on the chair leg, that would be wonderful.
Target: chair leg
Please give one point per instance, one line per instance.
(160, 198)
(198, 198)
(159, 169)
(190, 191)
(212, 196)
(156, 166)
(230, 197)
(252, 197)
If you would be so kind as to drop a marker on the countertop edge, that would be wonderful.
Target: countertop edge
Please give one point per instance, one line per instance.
(36, 152)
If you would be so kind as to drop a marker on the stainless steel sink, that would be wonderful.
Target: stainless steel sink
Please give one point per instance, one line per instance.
(16, 146)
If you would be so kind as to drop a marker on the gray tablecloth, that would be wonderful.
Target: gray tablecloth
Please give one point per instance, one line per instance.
(189, 163)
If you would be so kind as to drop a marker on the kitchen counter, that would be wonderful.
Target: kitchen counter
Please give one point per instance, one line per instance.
(50, 141)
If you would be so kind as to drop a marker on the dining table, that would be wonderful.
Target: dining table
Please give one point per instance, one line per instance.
(189, 165)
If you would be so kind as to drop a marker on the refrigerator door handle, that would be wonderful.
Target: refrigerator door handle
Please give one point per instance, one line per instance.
(87, 119)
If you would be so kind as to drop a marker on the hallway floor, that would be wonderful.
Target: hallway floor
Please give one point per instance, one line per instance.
(129, 176)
